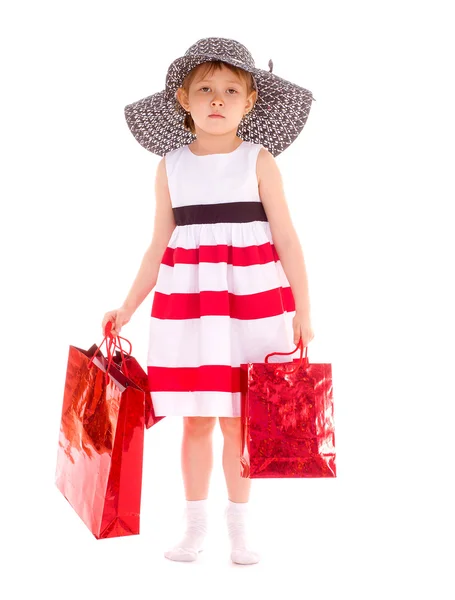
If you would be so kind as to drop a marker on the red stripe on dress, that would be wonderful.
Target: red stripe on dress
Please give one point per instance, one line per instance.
(247, 306)
(206, 378)
(232, 255)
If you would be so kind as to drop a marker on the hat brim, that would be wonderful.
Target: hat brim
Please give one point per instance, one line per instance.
(157, 124)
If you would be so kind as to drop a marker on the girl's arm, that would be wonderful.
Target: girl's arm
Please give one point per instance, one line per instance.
(284, 236)
(164, 226)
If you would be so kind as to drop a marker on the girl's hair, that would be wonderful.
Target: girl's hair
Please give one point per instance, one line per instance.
(207, 68)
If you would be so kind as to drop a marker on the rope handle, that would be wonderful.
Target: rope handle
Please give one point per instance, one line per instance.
(282, 368)
(112, 342)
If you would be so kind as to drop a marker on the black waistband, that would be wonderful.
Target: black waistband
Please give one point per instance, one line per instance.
(227, 212)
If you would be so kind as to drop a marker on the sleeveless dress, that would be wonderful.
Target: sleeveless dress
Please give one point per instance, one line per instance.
(221, 297)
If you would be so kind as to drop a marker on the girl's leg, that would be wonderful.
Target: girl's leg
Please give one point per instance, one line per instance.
(197, 456)
(238, 487)
(197, 463)
(238, 492)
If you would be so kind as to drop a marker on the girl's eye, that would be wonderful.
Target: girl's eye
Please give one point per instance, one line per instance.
(230, 90)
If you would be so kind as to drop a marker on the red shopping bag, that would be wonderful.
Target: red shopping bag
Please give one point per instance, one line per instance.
(101, 441)
(287, 419)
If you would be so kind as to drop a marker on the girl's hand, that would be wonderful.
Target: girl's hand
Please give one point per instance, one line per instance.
(119, 317)
(302, 328)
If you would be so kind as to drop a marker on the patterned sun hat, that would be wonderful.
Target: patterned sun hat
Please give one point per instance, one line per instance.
(275, 121)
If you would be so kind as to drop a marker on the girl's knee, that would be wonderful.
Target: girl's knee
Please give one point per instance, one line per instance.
(199, 425)
(230, 425)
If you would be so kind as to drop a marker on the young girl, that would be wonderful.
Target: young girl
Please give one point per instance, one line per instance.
(230, 277)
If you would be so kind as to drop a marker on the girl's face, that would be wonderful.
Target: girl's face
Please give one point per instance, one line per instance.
(220, 92)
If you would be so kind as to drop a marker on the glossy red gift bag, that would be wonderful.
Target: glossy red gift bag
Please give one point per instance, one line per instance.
(101, 441)
(287, 419)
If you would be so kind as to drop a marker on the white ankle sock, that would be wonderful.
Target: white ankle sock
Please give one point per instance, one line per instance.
(196, 529)
(236, 516)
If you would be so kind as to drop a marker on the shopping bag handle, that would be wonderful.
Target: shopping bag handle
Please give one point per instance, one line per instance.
(112, 342)
(282, 368)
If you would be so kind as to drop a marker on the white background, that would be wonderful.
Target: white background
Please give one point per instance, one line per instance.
(369, 183)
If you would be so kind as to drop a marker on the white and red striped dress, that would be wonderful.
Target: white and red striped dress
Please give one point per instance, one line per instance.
(221, 296)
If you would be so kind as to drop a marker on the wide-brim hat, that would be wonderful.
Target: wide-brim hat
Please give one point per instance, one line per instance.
(279, 114)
